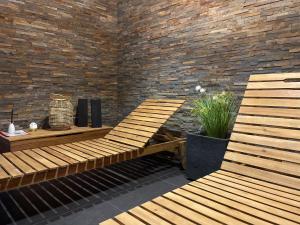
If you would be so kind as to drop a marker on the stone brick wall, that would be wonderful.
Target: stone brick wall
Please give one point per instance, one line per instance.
(126, 51)
(170, 46)
(49, 46)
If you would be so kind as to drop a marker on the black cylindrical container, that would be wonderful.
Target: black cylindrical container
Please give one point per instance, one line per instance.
(96, 113)
(82, 113)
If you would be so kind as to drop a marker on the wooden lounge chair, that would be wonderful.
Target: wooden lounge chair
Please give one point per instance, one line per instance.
(259, 180)
(126, 141)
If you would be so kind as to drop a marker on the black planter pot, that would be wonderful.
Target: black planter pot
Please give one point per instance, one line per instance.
(204, 155)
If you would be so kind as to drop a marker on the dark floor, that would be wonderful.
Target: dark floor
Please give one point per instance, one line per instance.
(94, 196)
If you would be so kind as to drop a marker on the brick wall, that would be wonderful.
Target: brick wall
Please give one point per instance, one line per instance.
(49, 46)
(148, 48)
(170, 46)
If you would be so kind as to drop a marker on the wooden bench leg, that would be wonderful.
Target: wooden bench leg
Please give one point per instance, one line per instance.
(182, 154)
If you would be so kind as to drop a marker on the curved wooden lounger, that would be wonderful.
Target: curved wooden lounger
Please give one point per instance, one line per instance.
(259, 180)
(126, 141)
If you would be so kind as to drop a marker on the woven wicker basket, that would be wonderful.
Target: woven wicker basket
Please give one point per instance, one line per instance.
(61, 112)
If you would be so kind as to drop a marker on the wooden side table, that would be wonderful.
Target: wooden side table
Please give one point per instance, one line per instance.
(42, 138)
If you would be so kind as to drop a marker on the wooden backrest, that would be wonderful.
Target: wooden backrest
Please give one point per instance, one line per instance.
(140, 125)
(265, 143)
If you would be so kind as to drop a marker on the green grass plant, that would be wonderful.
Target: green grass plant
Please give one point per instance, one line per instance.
(215, 113)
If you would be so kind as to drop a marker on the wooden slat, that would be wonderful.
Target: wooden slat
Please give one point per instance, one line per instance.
(179, 101)
(138, 127)
(273, 85)
(255, 189)
(40, 159)
(242, 191)
(140, 118)
(125, 140)
(294, 103)
(86, 149)
(162, 104)
(193, 193)
(114, 143)
(105, 148)
(284, 167)
(98, 158)
(4, 179)
(273, 93)
(59, 155)
(271, 177)
(128, 219)
(76, 152)
(133, 131)
(245, 205)
(110, 222)
(266, 141)
(69, 154)
(105, 145)
(279, 112)
(73, 165)
(51, 157)
(153, 111)
(62, 169)
(148, 216)
(9, 167)
(125, 152)
(19, 163)
(129, 136)
(184, 211)
(274, 76)
(167, 214)
(142, 123)
(265, 152)
(159, 116)
(30, 161)
(267, 131)
(279, 215)
(94, 150)
(173, 109)
(271, 121)
(3, 174)
(275, 188)
(223, 218)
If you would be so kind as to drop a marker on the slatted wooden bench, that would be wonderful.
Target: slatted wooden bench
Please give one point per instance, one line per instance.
(259, 180)
(124, 142)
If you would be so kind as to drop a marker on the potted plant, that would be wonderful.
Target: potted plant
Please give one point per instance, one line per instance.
(205, 150)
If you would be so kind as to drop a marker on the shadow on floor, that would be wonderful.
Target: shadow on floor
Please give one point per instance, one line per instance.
(93, 196)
